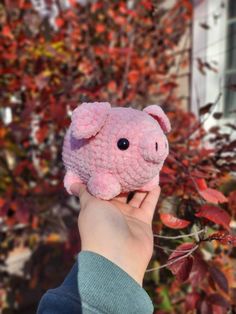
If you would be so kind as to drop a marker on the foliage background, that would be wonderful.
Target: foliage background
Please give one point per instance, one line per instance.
(124, 52)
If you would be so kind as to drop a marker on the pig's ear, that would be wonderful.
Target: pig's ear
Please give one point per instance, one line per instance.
(158, 114)
(89, 118)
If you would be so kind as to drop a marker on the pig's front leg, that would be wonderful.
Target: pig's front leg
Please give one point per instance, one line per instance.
(69, 179)
(104, 186)
(151, 184)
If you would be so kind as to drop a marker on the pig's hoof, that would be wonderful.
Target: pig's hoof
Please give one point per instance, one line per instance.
(104, 186)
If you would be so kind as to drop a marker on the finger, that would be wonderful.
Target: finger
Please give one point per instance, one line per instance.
(121, 198)
(137, 199)
(80, 190)
(149, 204)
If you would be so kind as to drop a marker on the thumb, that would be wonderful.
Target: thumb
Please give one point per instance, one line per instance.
(149, 204)
(79, 189)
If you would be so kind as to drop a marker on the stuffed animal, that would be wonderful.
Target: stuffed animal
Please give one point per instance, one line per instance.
(114, 150)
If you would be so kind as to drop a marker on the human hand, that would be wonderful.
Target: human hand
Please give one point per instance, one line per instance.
(117, 230)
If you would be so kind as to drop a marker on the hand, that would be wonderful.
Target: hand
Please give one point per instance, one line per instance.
(119, 231)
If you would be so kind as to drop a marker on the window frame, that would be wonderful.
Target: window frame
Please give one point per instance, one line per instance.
(228, 71)
(208, 43)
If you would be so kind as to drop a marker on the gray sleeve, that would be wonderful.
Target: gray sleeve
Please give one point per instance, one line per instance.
(106, 288)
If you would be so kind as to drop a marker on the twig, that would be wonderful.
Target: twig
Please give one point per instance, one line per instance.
(179, 236)
(172, 262)
(186, 170)
(4, 228)
(170, 250)
(196, 234)
(199, 124)
(177, 68)
(197, 97)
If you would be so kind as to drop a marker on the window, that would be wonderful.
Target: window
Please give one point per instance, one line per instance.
(230, 68)
(214, 42)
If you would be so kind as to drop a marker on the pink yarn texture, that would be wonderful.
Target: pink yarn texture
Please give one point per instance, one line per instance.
(114, 150)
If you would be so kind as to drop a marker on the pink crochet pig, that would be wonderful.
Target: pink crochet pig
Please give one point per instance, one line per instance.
(115, 150)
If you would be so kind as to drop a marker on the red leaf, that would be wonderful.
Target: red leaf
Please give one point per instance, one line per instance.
(23, 214)
(214, 129)
(100, 28)
(112, 86)
(205, 109)
(133, 76)
(179, 265)
(168, 86)
(219, 236)
(6, 31)
(223, 237)
(173, 222)
(120, 20)
(185, 269)
(214, 214)
(205, 26)
(199, 270)
(218, 299)
(2, 202)
(205, 307)
(213, 196)
(22, 166)
(42, 133)
(219, 310)
(201, 183)
(147, 4)
(211, 283)
(95, 6)
(59, 22)
(230, 125)
(219, 277)
(232, 201)
(191, 301)
(181, 250)
(217, 115)
(167, 170)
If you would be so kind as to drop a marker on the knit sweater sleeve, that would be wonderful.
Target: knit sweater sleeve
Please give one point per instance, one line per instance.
(106, 288)
(95, 285)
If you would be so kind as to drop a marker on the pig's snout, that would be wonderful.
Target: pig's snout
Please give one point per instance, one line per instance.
(158, 146)
(154, 147)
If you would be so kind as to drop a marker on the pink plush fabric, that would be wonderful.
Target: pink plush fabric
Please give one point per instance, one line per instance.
(115, 150)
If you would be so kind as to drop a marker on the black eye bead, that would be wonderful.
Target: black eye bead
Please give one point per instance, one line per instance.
(123, 144)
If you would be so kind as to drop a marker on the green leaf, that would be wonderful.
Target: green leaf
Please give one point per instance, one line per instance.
(166, 303)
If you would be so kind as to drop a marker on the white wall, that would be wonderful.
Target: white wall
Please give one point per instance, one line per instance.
(210, 46)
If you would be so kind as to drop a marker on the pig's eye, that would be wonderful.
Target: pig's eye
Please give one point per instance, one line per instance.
(123, 144)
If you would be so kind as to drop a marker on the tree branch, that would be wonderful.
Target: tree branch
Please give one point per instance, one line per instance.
(176, 260)
(179, 236)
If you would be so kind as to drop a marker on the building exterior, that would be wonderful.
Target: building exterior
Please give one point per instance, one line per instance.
(214, 58)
